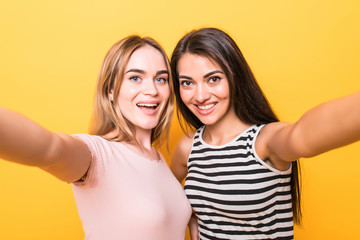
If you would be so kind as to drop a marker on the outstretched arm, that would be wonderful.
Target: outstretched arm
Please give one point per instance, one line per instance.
(25, 142)
(330, 125)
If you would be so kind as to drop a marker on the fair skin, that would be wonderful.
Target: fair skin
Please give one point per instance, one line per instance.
(68, 158)
(144, 93)
(204, 89)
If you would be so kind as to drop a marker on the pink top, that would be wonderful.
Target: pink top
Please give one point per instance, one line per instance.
(126, 196)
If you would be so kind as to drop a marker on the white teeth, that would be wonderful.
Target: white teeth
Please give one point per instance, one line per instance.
(206, 107)
(147, 105)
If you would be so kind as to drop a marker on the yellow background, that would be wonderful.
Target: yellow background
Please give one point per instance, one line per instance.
(302, 53)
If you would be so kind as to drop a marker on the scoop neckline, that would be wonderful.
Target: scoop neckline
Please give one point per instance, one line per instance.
(225, 144)
(141, 156)
(136, 153)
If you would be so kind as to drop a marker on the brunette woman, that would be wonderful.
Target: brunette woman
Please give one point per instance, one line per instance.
(241, 168)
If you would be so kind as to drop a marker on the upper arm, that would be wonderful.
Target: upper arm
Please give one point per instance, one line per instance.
(284, 142)
(26, 142)
(180, 156)
(327, 126)
(67, 158)
(275, 142)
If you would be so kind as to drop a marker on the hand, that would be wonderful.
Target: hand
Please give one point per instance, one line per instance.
(193, 227)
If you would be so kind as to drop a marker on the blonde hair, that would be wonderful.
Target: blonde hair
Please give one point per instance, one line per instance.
(107, 117)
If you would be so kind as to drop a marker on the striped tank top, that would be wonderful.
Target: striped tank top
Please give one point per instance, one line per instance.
(235, 194)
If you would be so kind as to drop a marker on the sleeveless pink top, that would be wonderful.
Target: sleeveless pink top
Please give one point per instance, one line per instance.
(126, 196)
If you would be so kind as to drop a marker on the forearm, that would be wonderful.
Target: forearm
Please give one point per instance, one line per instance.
(22, 140)
(328, 126)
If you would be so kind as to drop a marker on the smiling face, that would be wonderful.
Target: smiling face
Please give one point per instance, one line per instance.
(204, 89)
(144, 91)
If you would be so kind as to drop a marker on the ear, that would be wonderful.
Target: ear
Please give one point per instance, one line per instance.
(111, 95)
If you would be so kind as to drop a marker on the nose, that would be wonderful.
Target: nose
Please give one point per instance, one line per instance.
(201, 93)
(149, 87)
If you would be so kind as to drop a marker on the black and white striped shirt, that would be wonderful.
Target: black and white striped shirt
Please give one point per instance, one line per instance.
(235, 194)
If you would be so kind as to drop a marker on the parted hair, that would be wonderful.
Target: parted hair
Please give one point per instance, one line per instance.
(107, 117)
(246, 96)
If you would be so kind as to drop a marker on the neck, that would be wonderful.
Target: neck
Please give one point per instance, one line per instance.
(142, 144)
(142, 137)
(224, 130)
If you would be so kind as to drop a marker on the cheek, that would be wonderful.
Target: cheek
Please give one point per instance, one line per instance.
(127, 91)
(185, 95)
(165, 92)
(223, 91)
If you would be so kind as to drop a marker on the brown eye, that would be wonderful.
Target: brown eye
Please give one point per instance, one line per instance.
(214, 79)
(186, 83)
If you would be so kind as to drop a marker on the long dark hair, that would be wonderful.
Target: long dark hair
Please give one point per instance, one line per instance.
(246, 96)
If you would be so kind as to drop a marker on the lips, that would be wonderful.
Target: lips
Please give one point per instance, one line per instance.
(147, 105)
(205, 109)
(148, 108)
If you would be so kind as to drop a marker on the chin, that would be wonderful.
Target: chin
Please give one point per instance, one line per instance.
(148, 126)
(207, 121)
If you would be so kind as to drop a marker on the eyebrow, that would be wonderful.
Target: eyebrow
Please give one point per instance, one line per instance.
(135, 70)
(162, 72)
(211, 73)
(205, 76)
(142, 71)
(184, 76)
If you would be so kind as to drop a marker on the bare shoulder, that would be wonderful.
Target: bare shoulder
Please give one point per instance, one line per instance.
(267, 141)
(185, 143)
(271, 129)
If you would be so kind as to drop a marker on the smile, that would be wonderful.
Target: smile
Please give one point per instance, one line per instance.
(206, 107)
(148, 105)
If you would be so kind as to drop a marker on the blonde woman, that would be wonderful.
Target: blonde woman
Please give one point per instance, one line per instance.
(122, 185)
